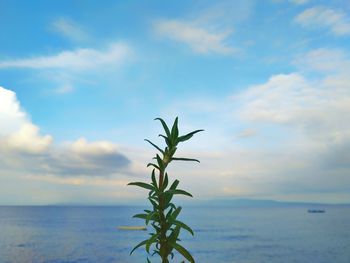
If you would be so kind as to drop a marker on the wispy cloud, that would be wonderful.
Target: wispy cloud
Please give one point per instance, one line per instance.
(75, 60)
(324, 60)
(247, 133)
(69, 29)
(70, 68)
(198, 38)
(321, 17)
(299, 2)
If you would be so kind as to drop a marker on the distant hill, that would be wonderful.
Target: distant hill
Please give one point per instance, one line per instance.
(258, 203)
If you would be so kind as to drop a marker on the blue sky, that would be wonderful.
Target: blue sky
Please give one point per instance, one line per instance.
(82, 81)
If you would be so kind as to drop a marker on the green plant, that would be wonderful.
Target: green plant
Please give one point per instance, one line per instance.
(163, 216)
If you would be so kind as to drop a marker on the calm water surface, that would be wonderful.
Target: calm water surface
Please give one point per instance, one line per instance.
(55, 234)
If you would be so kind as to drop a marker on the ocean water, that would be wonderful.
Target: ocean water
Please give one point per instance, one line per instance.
(58, 234)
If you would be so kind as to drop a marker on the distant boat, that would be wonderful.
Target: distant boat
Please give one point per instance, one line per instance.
(316, 211)
(132, 228)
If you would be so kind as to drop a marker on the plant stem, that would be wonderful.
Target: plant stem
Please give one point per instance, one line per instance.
(163, 228)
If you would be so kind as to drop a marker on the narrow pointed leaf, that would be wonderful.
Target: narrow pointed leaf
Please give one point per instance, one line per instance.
(154, 181)
(185, 159)
(139, 245)
(183, 252)
(188, 136)
(142, 216)
(152, 164)
(174, 131)
(166, 181)
(151, 216)
(184, 226)
(174, 185)
(166, 139)
(160, 162)
(173, 236)
(165, 127)
(151, 241)
(178, 192)
(154, 204)
(155, 146)
(169, 213)
(176, 212)
(143, 185)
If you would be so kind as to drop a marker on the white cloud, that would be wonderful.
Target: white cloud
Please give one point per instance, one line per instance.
(24, 149)
(319, 104)
(11, 116)
(69, 29)
(77, 60)
(324, 60)
(318, 108)
(320, 17)
(199, 39)
(304, 133)
(81, 146)
(28, 139)
(17, 132)
(83, 158)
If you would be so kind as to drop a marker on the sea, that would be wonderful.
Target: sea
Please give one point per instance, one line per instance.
(242, 234)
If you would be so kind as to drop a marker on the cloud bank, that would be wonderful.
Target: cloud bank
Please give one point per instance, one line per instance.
(24, 148)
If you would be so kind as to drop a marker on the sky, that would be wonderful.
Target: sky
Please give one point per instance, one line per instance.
(82, 81)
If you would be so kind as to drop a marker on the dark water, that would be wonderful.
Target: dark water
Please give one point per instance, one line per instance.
(223, 234)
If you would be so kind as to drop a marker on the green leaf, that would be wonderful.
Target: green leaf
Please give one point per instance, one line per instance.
(155, 146)
(139, 245)
(151, 241)
(185, 159)
(154, 204)
(174, 184)
(184, 226)
(151, 216)
(176, 213)
(168, 198)
(157, 228)
(169, 213)
(148, 261)
(169, 195)
(160, 162)
(174, 234)
(143, 185)
(166, 181)
(154, 181)
(174, 131)
(183, 252)
(187, 136)
(151, 193)
(165, 127)
(152, 164)
(166, 139)
(178, 192)
(142, 216)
